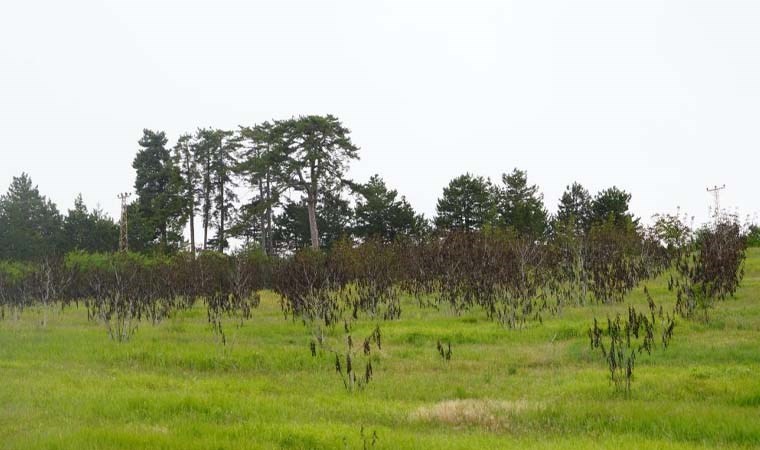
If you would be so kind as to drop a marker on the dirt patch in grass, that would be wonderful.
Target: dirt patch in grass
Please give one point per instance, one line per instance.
(494, 415)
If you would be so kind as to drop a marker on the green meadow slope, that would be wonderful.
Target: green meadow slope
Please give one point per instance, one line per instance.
(173, 386)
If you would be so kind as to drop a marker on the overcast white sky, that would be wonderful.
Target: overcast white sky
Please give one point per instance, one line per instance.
(661, 98)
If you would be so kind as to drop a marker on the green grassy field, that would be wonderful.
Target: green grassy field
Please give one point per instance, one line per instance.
(174, 386)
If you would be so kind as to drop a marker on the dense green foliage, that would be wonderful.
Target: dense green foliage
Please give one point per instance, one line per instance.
(753, 236)
(31, 228)
(315, 158)
(612, 204)
(520, 206)
(260, 158)
(292, 229)
(381, 214)
(91, 231)
(30, 224)
(574, 209)
(158, 188)
(467, 204)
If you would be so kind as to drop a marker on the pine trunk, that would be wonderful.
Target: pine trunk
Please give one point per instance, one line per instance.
(205, 230)
(270, 244)
(312, 207)
(262, 220)
(192, 233)
(221, 218)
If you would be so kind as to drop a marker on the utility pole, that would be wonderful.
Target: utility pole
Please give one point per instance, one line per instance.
(123, 223)
(715, 191)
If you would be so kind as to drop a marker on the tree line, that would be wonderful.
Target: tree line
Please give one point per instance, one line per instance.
(280, 186)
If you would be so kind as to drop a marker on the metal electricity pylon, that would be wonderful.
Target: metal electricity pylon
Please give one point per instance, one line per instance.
(715, 191)
(123, 223)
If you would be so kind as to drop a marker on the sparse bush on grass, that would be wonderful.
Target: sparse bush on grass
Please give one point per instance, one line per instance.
(629, 337)
(711, 270)
(346, 364)
(444, 350)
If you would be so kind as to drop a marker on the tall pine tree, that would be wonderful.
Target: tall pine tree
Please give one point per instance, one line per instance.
(380, 213)
(574, 209)
(215, 153)
(521, 206)
(158, 188)
(30, 224)
(467, 204)
(260, 158)
(190, 187)
(315, 158)
(612, 205)
(223, 165)
(91, 231)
